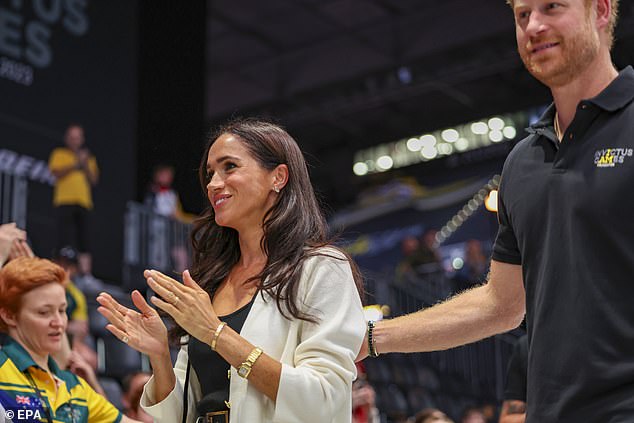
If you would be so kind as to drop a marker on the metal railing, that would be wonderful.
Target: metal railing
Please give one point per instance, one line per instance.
(13, 196)
(153, 241)
(481, 365)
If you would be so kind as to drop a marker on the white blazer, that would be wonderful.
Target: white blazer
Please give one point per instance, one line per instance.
(317, 359)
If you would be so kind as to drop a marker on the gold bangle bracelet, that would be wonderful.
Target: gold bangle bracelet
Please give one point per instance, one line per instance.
(214, 339)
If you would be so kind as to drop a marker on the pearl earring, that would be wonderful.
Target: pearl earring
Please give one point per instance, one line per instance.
(276, 189)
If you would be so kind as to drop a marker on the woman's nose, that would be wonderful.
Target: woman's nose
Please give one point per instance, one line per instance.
(58, 319)
(214, 183)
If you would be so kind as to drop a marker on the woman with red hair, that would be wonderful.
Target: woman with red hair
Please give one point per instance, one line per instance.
(33, 314)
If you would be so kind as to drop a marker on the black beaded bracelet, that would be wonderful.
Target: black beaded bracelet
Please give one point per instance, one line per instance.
(372, 352)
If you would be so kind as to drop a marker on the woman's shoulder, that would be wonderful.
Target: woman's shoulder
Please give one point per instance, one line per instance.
(328, 254)
(329, 250)
(328, 261)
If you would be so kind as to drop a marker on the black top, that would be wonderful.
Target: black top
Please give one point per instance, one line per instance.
(211, 368)
(566, 214)
(516, 374)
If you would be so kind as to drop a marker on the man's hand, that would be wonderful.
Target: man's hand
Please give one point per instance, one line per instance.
(513, 411)
(82, 157)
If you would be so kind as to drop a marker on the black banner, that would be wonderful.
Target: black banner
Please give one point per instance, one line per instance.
(65, 61)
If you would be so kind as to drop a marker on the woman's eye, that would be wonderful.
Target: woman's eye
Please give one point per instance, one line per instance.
(230, 166)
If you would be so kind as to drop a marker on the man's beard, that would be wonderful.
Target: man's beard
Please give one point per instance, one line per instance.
(577, 53)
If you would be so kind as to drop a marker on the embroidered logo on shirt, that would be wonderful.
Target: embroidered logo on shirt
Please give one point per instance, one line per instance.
(610, 157)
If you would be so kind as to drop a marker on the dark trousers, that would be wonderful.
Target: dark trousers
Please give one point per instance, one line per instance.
(72, 227)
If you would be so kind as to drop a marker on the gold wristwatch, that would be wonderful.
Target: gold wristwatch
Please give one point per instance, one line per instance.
(245, 368)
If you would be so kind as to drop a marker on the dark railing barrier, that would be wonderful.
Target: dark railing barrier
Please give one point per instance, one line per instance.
(153, 241)
(13, 195)
(474, 371)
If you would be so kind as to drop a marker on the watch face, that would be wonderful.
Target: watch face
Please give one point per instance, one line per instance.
(243, 371)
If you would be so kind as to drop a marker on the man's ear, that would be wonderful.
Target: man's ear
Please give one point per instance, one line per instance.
(603, 10)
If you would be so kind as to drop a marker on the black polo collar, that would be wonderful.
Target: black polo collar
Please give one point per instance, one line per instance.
(618, 94)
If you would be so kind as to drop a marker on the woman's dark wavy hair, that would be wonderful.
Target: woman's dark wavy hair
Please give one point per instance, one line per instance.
(294, 227)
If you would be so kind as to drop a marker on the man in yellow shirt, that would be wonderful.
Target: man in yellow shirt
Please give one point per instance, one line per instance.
(76, 171)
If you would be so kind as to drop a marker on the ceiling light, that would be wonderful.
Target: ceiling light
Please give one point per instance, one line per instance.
(496, 136)
(450, 135)
(496, 124)
(479, 128)
(509, 132)
(384, 163)
(414, 144)
(429, 152)
(491, 203)
(445, 148)
(428, 140)
(360, 169)
(457, 263)
(462, 144)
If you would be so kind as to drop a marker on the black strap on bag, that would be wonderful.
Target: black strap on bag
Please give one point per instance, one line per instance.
(186, 389)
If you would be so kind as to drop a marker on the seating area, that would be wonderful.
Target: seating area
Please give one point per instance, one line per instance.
(450, 380)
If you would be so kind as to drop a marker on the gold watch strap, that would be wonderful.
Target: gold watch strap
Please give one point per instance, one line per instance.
(245, 368)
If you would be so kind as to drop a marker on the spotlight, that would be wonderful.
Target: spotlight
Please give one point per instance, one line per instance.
(384, 163)
(457, 263)
(496, 124)
(491, 203)
(496, 136)
(462, 144)
(479, 128)
(429, 152)
(509, 132)
(444, 148)
(428, 140)
(360, 169)
(414, 144)
(450, 135)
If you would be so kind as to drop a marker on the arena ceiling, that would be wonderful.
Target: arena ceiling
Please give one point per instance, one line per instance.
(343, 75)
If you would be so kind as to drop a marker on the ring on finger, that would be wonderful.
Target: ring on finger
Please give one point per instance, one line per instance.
(125, 339)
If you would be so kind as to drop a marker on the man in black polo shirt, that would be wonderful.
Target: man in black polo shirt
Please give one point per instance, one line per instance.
(565, 248)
